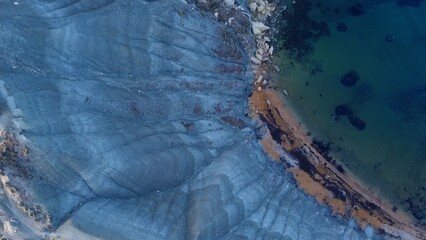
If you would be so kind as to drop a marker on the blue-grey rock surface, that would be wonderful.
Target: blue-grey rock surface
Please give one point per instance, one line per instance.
(125, 119)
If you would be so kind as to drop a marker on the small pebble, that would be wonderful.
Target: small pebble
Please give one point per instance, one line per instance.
(285, 92)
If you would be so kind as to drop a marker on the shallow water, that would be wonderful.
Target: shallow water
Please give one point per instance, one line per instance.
(385, 46)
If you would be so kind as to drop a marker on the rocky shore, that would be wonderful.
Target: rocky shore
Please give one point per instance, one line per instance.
(130, 120)
(134, 126)
(285, 140)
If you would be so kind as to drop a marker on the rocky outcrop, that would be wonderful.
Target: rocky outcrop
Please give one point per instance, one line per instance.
(135, 127)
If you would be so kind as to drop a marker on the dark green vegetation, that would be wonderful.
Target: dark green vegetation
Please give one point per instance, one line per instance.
(296, 30)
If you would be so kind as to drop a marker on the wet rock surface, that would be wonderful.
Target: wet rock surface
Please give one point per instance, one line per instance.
(126, 120)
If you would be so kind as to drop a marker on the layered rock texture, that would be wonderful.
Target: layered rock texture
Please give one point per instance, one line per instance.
(126, 119)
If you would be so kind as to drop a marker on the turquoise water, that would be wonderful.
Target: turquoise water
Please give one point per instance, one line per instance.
(386, 47)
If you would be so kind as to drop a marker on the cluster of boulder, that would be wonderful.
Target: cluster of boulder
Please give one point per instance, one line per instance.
(261, 9)
(264, 50)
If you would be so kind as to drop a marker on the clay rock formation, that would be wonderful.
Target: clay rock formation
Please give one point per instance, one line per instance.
(123, 119)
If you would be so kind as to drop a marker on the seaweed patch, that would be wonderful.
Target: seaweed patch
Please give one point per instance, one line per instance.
(344, 110)
(350, 78)
(298, 31)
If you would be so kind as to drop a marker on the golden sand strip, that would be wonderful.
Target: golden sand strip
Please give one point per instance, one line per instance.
(317, 177)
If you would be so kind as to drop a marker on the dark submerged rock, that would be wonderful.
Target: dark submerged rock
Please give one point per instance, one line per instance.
(350, 78)
(414, 204)
(356, 122)
(356, 10)
(324, 147)
(343, 110)
(341, 27)
(340, 168)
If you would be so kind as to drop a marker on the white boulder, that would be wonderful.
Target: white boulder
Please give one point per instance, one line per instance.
(255, 60)
(271, 50)
(252, 7)
(260, 2)
(258, 27)
(229, 3)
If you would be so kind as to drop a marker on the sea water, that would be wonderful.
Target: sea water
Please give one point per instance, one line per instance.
(384, 48)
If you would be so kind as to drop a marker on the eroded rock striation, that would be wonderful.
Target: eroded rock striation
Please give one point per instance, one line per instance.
(126, 119)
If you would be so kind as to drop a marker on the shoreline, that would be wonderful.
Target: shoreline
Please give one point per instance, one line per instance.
(286, 140)
(342, 192)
